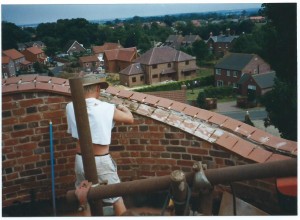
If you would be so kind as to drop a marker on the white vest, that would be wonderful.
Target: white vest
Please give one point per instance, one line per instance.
(100, 115)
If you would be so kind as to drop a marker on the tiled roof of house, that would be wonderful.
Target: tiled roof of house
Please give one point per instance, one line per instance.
(234, 136)
(173, 38)
(132, 69)
(223, 38)
(13, 54)
(234, 61)
(164, 54)
(265, 80)
(105, 46)
(190, 38)
(88, 59)
(123, 54)
(5, 60)
(35, 50)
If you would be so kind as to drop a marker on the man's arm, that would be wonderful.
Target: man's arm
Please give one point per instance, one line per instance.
(123, 114)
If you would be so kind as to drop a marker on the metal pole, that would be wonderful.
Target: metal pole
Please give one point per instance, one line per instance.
(52, 169)
(215, 176)
(179, 191)
(85, 140)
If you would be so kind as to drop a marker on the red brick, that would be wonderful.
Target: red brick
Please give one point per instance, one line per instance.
(9, 105)
(54, 114)
(54, 100)
(165, 161)
(135, 148)
(6, 98)
(30, 118)
(8, 163)
(31, 102)
(9, 121)
(21, 133)
(10, 142)
(197, 151)
(27, 146)
(12, 176)
(145, 161)
(186, 163)
(13, 155)
(19, 111)
(155, 148)
(42, 130)
(30, 159)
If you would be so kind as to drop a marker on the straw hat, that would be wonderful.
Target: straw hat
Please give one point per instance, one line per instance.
(91, 79)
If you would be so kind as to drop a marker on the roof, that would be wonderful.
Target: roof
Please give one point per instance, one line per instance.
(190, 38)
(132, 69)
(13, 54)
(88, 59)
(265, 80)
(164, 54)
(5, 60)
(174, 38)
(70, 43)
(123, 54)
(34, 50)
(235, 61)
(223, 38)
(229, 134)
(106, 46)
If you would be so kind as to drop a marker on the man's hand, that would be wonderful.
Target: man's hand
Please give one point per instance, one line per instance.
(82, 191)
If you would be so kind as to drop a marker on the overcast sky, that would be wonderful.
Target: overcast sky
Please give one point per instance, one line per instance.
(29, 13)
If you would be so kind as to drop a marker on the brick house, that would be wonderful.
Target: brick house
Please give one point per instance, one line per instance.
(117, 59)
(221, 44)
(35, 54)
(8, 67)
(89, 63)
(165, 63)
(23, 46)
(133, 75)
(73, 46)
(166, 136)
(229, 70)
(259, 83)
(177, 41)
(99, 51)
(15, 56)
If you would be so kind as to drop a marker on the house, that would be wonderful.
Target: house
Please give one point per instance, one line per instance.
(188, 40)
(89, 63)
(177, 41)
(257, 19)
(73, 46)
(221, 44)
(99, 50)
(174, 41)
(15, 56)
(35, 54)
(8, 67)
(159, 64)
(229, 70)
(23, 46)
(117, 59)
(133, 75)
(258, 83)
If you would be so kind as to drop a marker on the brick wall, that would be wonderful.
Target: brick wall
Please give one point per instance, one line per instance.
(145, 149)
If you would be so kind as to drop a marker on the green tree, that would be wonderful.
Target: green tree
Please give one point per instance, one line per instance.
(281, 102)
(200, 50)
(12, 34)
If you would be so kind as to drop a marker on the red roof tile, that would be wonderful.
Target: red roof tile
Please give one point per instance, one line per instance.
(231, 124)
(178, 106)
(5, 60)
(204, 114)
(113, 90)
(35, 50)
(28, 78)
(26, 87)
(9, 88)
(246, 129)
(12, 80)
(166, 103)
(151, 99)
(44, 86)
(61, 89)
(43, 79)
(260, 136)
(140, 97)
(58, 81)
(260, 155)
(227, 141)
(191, 111)
(217, 119)
(125, 94)
(275, 157)
(243, 148)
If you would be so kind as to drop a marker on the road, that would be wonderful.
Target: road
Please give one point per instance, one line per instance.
(257, 114)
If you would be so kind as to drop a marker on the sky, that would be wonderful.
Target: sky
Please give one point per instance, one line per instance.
(22, 13)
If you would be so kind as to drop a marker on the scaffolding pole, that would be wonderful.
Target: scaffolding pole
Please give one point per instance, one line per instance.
(85, 141)
(282, 168)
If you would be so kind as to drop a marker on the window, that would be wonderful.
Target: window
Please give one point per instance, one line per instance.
(142, 78)
(154, 66)
(133, 79)
(169, 64)
(234, 85)
(218, 71)
(155, 76)
(187, 62)
(252, 87)
(220, 83)
(234, 74)
(228, 72)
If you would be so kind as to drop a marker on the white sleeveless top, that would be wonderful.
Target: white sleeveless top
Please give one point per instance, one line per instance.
(100, 115)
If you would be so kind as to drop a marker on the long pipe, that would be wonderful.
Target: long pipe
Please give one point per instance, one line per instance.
(85, 140)
(283, 168)
(52, 168)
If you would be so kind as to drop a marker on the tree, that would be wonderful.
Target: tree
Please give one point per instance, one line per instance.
(200, 50)
(12, 34)
(281, 102)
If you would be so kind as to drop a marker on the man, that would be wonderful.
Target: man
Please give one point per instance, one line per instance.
(102, 116)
